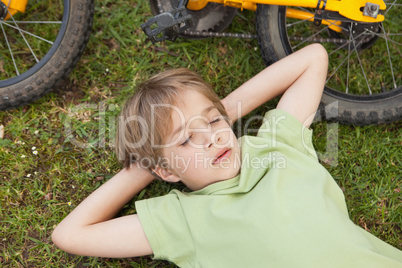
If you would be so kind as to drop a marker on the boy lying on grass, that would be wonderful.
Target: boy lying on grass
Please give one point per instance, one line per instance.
(261, 201)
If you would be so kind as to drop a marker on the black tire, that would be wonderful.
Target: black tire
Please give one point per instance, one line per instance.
(382, 104)
(56, 57)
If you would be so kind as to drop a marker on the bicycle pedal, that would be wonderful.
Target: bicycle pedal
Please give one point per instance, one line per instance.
(167, 25)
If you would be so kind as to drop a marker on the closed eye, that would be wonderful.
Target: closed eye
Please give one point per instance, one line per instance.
(189, 138)
(215, 120)
(187, 141)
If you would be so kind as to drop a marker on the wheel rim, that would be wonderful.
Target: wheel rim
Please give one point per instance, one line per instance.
(363, 66)
(29, 40)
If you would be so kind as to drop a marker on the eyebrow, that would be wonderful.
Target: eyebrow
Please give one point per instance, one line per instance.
(203, 113)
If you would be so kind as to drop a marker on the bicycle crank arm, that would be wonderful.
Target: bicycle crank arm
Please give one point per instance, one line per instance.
(167, 25)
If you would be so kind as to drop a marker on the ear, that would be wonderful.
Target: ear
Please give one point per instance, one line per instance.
(165, 174)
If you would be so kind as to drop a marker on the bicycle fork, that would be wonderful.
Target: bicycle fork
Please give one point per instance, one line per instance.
(11, 7)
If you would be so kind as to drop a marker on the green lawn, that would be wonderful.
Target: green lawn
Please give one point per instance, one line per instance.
(46, 170)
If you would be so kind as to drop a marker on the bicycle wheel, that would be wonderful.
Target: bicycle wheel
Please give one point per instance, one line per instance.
(365, 71)
(39, 47)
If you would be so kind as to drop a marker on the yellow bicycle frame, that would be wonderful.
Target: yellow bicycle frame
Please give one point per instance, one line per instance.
(15, 6)
(351, 9)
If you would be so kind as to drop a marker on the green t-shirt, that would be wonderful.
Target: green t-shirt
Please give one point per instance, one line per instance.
(283, 210)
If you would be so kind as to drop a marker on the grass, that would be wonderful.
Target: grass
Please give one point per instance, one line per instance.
(45, 173)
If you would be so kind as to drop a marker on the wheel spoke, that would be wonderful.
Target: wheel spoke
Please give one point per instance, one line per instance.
(36, 22)
(385, 36)
(361, 65)
(304, 9)
(299, 21)
(317, 33)
(9, 48)
(393, 4)
(347, 72)
(340, 47)
(9, 25)
(23, 37)
(343, 61)
(389, 55)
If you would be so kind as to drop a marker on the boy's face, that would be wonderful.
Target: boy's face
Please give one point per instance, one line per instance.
(201, 148)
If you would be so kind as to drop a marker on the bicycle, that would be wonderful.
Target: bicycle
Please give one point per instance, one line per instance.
(41, 43)
(363, 39)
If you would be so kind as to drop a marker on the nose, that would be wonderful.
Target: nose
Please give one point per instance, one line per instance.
(213, 139)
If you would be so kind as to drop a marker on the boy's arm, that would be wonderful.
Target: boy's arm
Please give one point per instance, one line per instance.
(300, 77)
(90, 228)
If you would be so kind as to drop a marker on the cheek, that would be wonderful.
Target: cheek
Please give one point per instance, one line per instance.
(168, 156)
(178, 160)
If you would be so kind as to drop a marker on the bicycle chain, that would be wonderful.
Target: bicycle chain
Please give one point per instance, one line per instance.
(214, 34)
(253, 36)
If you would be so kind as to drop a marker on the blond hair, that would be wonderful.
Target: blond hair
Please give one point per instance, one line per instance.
(145, 120)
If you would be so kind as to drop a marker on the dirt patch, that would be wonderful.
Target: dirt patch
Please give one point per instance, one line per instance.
(68, 91)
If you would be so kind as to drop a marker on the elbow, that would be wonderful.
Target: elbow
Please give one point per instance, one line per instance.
(61, 237)
(70, 239)
(57, 237)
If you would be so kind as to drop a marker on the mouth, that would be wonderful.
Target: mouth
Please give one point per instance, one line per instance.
(222, 154)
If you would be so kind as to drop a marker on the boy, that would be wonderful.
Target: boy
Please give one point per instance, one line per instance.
(266, 203)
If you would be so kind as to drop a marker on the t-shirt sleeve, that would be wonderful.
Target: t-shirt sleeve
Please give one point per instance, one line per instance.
(166, 228)
(280, 126)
